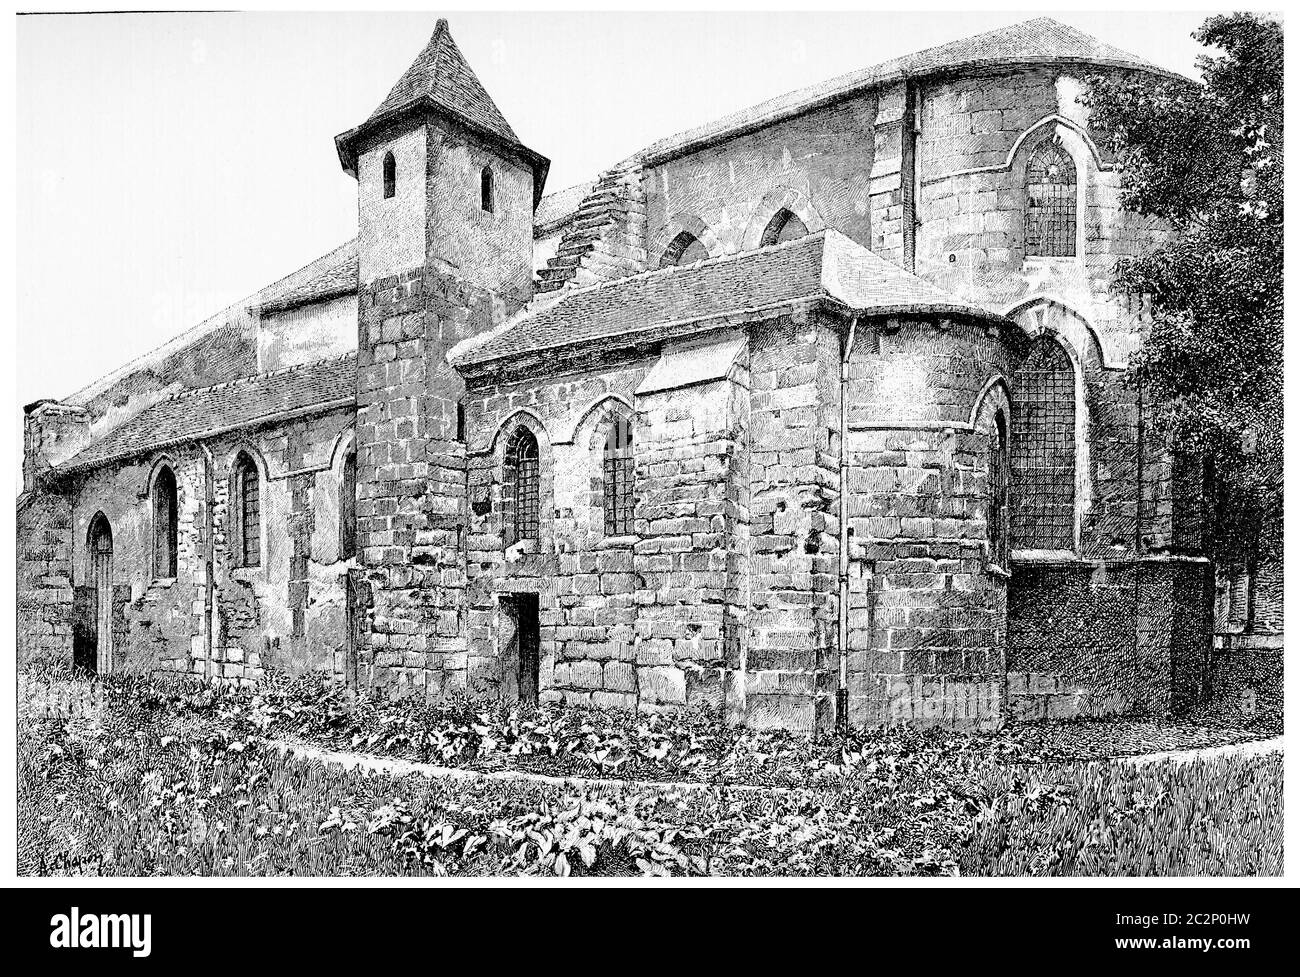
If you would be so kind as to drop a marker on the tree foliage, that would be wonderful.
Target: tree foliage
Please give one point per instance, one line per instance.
(1206, 160)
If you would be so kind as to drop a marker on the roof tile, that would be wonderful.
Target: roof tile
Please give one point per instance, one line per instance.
(198, 414)
(442, 75)
(823, 265)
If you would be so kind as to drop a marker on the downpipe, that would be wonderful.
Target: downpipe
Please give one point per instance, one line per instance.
(209, 585)
(842, 693)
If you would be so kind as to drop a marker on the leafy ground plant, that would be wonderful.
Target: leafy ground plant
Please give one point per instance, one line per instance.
(163, 779)
(691, 747)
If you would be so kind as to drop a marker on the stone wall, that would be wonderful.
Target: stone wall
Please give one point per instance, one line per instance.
(791, 665)
(1089, 639)
(44, 579)
(436, 216)
(893, 175)
(817, 165)
(583, 579)
(411, 508)
(390, 230)
(975, 136)
(653, 620)
(604, 239)
(927, 611)
(1247, 661)
(1246, 675)
(689, 558)
(491, 250)
(286, 612)
(307, 333)
(938, 186)
(725, 594)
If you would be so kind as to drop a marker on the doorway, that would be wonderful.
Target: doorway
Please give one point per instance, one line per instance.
(521, 648)
(99, 657)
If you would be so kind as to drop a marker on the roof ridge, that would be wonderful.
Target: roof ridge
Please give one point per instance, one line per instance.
(908, 64)
(214, 321)
(569, 288)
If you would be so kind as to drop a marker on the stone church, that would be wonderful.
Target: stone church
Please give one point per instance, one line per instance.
(813, 414)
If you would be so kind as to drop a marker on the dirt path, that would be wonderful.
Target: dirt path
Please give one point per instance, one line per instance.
(401, 768)
(1249, 748)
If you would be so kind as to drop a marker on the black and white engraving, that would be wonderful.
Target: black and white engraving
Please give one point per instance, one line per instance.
(882, 479)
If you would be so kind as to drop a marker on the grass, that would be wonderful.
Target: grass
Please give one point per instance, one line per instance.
(158, 779)
(1219, 816)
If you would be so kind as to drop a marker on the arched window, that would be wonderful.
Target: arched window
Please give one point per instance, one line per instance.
(164, 523)
(685, 249)
(998, 486)
(784, 226)
(348, 508)
(92, 643)
(1043, 449)
(247, 538)
(485, 190)
(1051, 200)
(390, 175)
(524, 478)
(618, 469)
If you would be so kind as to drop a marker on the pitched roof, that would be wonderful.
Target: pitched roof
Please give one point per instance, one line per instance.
(441, 79)
(335, 277)
(1039, 41)
(440, 74)
(247, 402)
(560, 206)
(299, 283)
(824, 265)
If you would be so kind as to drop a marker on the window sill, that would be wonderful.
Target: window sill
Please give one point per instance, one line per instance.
(245, 573)
(1039, 261)
(1044, 556)
(521, 549)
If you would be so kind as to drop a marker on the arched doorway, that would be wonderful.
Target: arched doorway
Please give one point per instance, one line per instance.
(101, 578)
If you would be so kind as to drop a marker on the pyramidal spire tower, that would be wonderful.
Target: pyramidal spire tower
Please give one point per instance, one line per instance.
(442, 178)
(445, 201)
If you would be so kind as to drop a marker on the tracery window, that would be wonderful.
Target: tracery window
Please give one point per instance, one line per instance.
(1043, 449)
(1051, 202)
(526, 478)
